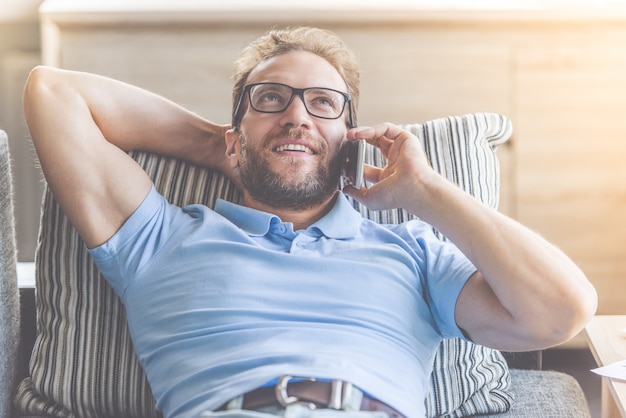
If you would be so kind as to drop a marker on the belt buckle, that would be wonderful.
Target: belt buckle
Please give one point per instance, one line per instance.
(283, 397)
(340, 391)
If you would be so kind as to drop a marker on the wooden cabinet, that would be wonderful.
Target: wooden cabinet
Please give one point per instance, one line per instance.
(559, 75)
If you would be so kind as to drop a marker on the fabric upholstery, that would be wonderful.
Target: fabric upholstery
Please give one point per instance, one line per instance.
(83, 363)
(9, 297)
(546, 394)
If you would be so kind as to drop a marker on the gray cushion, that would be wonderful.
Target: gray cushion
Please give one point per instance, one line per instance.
(546, 394)
(9, 297)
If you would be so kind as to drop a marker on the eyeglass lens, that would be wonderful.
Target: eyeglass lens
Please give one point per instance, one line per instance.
(274, 98)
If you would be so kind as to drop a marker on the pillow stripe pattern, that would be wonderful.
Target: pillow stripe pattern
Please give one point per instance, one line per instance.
(77, 366)
(467, 380)
(83, 364)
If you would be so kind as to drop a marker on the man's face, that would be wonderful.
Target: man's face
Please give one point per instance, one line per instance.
(292, 160)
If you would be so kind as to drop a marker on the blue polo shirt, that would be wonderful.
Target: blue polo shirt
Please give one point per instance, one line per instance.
(221, 302)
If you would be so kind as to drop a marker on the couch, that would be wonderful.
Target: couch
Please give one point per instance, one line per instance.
(80, 358)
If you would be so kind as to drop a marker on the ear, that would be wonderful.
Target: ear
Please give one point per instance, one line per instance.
(233, 147)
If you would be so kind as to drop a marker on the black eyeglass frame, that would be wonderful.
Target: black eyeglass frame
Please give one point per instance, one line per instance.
(238, 115)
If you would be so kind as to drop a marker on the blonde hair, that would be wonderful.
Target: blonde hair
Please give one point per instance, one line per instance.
(317, 41)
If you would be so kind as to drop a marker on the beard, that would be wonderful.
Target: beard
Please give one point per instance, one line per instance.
(281, 189)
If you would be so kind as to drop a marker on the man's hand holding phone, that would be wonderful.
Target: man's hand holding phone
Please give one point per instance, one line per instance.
(400, 183)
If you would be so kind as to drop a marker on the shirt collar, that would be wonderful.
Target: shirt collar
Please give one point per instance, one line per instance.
(253, 222)
(341, 222)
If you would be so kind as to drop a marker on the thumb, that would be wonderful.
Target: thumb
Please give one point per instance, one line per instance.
(357, 194)
(364, 196)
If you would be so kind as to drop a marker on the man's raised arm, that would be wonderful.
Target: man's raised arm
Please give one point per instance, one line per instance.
(82, 124)
(526, 294)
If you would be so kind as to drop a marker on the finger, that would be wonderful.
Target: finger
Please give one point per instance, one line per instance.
(371, 173)
(388, 131)
(357, 194)
(379, 142)
(370, 198)
(381, 136)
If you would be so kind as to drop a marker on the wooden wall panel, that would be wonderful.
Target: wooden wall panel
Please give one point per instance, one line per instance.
(572, 177)
(410, 73)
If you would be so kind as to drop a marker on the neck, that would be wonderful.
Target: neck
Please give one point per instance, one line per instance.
(301, 219)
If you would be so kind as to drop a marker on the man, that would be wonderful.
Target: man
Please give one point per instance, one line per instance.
(293, 282)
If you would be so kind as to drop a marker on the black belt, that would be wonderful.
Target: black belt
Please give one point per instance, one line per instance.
(317, 394)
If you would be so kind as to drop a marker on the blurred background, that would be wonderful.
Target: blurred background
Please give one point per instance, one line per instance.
(20, 50)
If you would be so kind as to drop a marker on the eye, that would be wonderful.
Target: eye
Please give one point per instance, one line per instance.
(270, 97)
(323, 101)
(326, 101)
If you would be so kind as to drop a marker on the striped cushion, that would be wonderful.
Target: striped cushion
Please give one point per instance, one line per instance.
(83, 363)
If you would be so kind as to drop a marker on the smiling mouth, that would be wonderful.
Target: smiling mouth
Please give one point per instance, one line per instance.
(295, 148)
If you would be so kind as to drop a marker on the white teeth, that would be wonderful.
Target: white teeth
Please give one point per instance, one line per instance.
(294, 147)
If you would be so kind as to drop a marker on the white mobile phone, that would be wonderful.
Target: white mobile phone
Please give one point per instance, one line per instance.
(353, 169)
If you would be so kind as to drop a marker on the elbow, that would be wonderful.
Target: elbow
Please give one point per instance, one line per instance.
(584, 310)
(34, 83)
(36, 78)
(41, 93)
(574, 314)
(41, 79)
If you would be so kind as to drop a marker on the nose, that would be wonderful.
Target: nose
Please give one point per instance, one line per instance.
(296, 114)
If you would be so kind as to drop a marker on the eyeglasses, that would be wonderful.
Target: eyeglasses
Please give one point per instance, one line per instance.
(320, 102)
